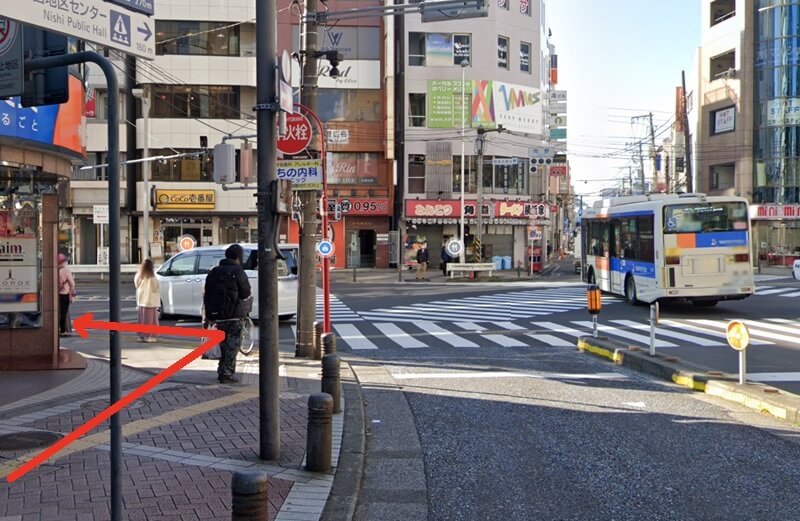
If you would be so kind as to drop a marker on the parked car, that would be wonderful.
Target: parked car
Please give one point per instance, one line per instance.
(796, 270)
(183, 278)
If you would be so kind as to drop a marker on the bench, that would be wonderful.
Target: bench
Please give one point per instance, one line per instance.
(454, 267)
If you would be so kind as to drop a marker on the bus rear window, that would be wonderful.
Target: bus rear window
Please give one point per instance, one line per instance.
(705, 217)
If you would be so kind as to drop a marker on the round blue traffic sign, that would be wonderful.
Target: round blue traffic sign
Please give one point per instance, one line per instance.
(325, 248)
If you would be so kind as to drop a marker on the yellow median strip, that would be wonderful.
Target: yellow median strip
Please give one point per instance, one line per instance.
(133, 428)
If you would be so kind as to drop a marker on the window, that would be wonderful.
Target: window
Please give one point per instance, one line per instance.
(208, 261)
(195, 168)
(722, 10)
(503, 175)
(647, 252)
(195, 101)
(503, 4)
(438, 49)
(416, 110)
(502, 52)
(722, 176)
(349, 105)
(705, 217)
(197, 38)
(416, 174)
(723, 66)
(525, 57)
(597, 238)
(723, 120)
(525, 7)
(183, 265)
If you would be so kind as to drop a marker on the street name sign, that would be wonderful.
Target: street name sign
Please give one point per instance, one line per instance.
(94, 21)
(140, 6)
(10, 58)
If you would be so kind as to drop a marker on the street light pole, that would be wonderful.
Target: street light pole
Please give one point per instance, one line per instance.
(144, 95)
(464, 65)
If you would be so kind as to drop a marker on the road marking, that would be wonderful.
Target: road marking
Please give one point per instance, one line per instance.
(505, 341)
(446, 336)
(752, 326)
(773, 291)
(551, 340)
(354, 338)
(795, 294)
(558, 328)
(625, 334)
(470, 326)
(398, 336)
(774, 377)
(508, 374)
(510, 326)
(715, 332)
(672, 334)
(638, 405)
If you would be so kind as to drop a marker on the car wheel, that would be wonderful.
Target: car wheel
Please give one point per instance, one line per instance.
(161, 314)
(630, 291)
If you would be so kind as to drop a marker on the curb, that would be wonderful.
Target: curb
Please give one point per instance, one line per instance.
(343, 498)
(757, 396)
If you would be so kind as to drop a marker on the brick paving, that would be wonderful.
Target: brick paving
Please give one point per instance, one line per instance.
(182, 443)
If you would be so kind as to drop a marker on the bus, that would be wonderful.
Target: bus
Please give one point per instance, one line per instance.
(668, 246)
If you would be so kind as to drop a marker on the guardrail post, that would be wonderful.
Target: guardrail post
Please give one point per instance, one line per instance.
(319, 438)
(249, 501)
(331, 383)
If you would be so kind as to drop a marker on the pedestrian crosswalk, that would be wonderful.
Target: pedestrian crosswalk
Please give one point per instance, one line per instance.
(514, 305)
(522, 334)
(340, 312)
(780, 291)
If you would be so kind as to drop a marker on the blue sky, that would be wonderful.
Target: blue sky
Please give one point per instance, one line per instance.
(618, 59)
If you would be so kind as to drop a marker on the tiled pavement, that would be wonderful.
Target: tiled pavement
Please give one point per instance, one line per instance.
(181, 444)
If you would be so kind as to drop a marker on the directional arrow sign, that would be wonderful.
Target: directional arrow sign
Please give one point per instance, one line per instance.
(91, 20)
(82, 325)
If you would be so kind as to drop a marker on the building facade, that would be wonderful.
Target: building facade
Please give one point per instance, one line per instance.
(504, 63)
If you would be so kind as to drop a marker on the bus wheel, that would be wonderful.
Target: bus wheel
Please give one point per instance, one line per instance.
(630, 291)
(705, 303)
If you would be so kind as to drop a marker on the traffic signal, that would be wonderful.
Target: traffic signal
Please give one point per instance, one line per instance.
(44, 86)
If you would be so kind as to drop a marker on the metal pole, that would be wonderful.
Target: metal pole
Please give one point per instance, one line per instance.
(146, 175)
(307, 291)
(594, 326)
(462, 257)
(479, 231)
(687, 166)
(130, 139)
(743, 366)
(115, 354)
(653, 329)
(268, 379)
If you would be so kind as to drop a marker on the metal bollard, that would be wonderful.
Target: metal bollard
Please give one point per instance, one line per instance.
(331, 383)
(249, 496)
(319, 328)
(354, 273)
(320, 433)
(328, 343)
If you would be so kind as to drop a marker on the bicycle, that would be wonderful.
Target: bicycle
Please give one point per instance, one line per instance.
(247, 343)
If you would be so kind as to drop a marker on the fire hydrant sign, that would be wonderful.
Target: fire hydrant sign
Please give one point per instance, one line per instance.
(91, 20)
(304, 174)
(10, 58)
(298, 134)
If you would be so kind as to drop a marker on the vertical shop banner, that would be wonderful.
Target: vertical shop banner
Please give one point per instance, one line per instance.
(444, 100)
(19, 269)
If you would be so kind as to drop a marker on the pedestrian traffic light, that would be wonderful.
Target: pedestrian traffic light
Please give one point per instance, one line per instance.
(44, 86)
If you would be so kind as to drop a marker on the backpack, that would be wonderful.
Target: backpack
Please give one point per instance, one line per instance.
(221, 296)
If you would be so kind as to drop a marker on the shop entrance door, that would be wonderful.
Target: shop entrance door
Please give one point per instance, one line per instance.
(367, 246)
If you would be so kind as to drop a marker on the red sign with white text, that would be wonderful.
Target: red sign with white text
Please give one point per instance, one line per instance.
(559, 170)
(450, 209)
(298, 134)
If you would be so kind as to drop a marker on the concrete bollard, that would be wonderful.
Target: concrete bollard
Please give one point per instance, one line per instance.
(329, 343)
(319, 440)
(319, 327)
(331, 383)
(249, 496)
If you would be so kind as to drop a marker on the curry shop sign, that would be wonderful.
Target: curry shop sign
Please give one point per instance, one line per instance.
(495, 209)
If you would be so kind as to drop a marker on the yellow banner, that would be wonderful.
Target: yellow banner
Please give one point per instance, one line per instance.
(185, 199)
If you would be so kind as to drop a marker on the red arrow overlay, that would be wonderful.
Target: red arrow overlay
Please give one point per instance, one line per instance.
(85, 323)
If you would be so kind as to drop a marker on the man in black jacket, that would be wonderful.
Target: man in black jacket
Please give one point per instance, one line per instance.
(226, 287)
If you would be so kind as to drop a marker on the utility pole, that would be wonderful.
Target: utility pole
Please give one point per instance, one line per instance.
(481, 142)
(653, 151)
(130, 170)
(686, 138)
(641, 168)
(268, 222)
(307, 294)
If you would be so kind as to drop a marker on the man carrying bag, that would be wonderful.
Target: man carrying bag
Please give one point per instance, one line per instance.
(226, 287)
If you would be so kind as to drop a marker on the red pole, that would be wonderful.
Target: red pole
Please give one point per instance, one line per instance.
(326, 262)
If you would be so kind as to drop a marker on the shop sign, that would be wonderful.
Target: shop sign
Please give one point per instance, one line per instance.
(186, 243)
(19, 289)
(559, 170)
(432, 209)
(444, 99)
(516, 107)
(783, 112)
(353, 169)
(19, 262)
(338, 136)
(185, 199)
(369, 206)
(305, 174)
(775, 211)
(18, 252)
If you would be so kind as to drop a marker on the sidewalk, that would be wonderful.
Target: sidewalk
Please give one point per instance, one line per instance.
(182, 441)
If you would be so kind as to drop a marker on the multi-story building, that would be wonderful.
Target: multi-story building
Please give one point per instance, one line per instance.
(504, 62)
(200, 89)
(745, 118)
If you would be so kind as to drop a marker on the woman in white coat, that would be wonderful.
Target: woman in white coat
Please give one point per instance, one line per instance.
(148, 298)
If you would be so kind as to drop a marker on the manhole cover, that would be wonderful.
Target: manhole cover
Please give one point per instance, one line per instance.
(28, 440)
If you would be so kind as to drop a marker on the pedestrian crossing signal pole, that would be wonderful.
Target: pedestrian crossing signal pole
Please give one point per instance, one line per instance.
(594, 304)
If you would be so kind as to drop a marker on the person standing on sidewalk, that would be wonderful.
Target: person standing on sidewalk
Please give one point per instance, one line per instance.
(445, 258)
(226, 287)
(422, 262)
(148, 298)
(66, 294)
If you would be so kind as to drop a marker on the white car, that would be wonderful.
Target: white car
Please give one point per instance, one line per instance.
(182, 279)
(796, 270)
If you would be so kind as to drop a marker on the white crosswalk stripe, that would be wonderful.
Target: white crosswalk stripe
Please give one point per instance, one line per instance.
(626, 334)
(340, 312)
(398, 336)
(499, 307)
(783, 291)
(661, 332)
(445, 335)
(353, 337)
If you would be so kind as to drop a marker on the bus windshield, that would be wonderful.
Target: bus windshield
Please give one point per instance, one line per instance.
(705, 217)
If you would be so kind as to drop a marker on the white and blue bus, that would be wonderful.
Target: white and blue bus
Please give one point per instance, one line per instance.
(668, 246)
